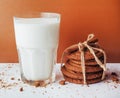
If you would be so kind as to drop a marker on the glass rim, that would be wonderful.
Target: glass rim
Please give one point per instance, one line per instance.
(37, 15)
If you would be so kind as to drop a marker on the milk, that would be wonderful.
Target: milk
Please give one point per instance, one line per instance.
(37, 42)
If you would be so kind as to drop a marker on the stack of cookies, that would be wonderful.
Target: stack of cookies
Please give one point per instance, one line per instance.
(84, 63)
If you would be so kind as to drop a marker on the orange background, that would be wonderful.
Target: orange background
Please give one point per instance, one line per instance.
(79, 18)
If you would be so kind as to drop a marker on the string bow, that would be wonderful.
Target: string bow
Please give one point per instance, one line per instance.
(91, 49)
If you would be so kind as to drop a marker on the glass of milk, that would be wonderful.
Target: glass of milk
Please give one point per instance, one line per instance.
(37, 37)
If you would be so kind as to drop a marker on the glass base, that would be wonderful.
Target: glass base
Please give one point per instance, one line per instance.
(39, 83)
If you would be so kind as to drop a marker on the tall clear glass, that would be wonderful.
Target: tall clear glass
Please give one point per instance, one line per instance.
(37, 37)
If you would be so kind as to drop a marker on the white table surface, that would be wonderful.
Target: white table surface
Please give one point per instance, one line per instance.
(98, 90)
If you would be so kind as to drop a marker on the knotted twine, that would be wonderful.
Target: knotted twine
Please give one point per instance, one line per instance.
(91, 49)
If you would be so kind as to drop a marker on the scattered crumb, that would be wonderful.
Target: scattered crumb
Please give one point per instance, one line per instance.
(34, 92)
(12, 78)
(114, 77)
(3, 73)
(88, 86)
(18, 79)
(43, 93)
(66, 86)
(21, 89)
(62, 82)
(6, 85)
(95, 97)
(59, 87)
(114, 74)
(37, 84)
(9, 66)
(71, 96)
(52, 88)
(96, 89)
(115, 86)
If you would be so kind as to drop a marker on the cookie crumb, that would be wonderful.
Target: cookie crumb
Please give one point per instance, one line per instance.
(88, 86)
(9, 66)
(37, 84)
(21, 89)
(114, 77)
(3, 73)
(18, 79)
(115, 86)
(52, 88)
(59, 87)
(45, 91)
(12, 78)
(34, 92)
(62, 82)
(114, 74)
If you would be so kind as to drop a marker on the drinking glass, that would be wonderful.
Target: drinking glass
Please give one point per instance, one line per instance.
(37, 37)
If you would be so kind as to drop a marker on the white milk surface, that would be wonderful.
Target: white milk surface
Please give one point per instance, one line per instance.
(37, 42)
